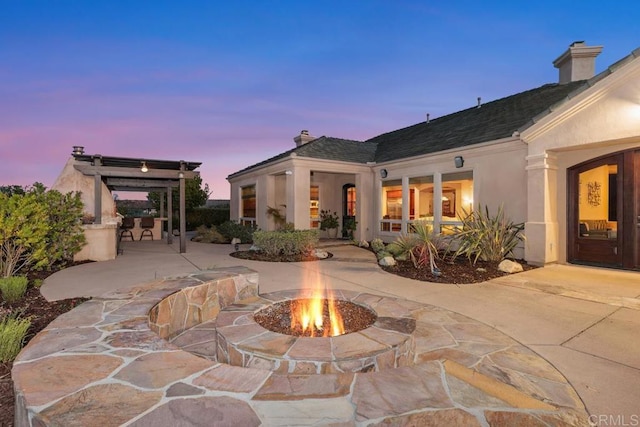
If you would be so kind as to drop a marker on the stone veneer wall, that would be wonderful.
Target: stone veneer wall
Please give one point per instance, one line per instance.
(194, 305)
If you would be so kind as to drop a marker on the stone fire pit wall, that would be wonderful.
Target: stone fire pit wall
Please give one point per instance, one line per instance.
(197, 304)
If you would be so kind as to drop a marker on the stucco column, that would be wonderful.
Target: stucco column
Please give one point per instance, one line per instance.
(298, 185)
(366, 215)
(264, 199)
(541, 228)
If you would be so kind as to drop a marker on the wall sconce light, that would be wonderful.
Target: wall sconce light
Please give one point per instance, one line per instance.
(288, 173)
(383, 173)
(458, 161)
(180, 175)
(144, 167)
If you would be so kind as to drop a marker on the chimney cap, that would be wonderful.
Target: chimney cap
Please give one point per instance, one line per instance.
(577, 62)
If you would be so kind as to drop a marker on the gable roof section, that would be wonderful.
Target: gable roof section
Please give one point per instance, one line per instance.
(493, 120)
(327, 148)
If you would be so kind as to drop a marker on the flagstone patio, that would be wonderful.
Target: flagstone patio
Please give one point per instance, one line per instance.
(126, 359)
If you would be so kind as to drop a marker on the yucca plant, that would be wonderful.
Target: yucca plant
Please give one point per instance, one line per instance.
(12, 333)
(421, 246)
(485, 237)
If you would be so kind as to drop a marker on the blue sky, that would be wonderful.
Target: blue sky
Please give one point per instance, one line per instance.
(230, 83)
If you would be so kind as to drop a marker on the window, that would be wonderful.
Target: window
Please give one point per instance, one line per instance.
(420, 199)
(597, 202)
(457, 199)
(314, 210)
(391, 205)
(248, 205)
(350, 201)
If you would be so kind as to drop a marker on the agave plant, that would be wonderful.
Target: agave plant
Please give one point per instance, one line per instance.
(421, 246)
(486, 237)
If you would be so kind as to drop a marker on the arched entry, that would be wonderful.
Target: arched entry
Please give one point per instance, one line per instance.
(604, 211)
(348, 210)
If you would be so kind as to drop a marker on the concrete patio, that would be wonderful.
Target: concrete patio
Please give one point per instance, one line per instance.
(584, 321)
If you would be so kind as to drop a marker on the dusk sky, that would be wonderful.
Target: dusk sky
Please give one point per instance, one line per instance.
(230, 83)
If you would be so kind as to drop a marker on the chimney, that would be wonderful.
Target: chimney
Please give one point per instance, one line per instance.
(303, 138)
(577, 63)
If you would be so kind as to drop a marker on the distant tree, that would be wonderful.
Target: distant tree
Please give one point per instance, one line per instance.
(10, 190)
(194, 194)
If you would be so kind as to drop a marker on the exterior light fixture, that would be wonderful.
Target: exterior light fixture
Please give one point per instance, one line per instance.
(78, 150)
(288, 173)
(458, 161)
(180, 175)
(383, 173)
(144, 167)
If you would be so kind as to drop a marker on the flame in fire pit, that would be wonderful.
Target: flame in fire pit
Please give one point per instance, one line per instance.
(318, 315)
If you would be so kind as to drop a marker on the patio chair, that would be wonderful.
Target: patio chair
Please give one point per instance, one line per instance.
(147, 223)
(125, 228)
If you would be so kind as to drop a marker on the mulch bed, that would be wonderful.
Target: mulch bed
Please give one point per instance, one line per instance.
(458, 271)
(41, 312)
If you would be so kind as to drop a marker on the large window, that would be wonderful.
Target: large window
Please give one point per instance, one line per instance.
(440, 204)
(391, 205)
(457, 199)
(248, 205)
(420, 199)
(314, 210)
(598, 202)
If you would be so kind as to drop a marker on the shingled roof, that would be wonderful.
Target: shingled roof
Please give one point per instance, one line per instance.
(491, 121)
(326, 147)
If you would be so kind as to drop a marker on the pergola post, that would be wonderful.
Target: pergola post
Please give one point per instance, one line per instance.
(183, 220)
(97, 189)
(169, 216)
(161, 213)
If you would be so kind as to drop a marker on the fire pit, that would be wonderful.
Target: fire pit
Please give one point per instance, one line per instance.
(315, 317)
(266, 335)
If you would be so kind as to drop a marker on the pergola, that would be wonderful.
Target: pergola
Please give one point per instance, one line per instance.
(141, 175)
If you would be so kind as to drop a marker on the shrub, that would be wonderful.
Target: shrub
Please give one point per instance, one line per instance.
(211, 234)
(287, 243)
(231, 229)
(485, 237)
(23, 233)
(12, 333)
(65, 236)
(421, 247)
(377, 245)
(382, 254)
(206, 216)
(13, 288)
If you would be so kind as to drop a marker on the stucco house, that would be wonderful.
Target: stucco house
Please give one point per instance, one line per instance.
(563, 158)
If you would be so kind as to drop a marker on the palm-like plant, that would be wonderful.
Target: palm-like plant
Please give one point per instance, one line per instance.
(486, 237)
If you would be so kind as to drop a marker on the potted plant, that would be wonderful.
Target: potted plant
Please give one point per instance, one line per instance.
(350, 225)
(329, 222)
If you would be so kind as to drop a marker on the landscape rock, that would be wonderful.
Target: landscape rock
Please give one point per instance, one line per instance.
(387, 261)
(363, 244)
(319, 253)
(508, 266)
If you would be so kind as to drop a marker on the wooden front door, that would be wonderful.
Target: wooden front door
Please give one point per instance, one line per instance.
(603, 212)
